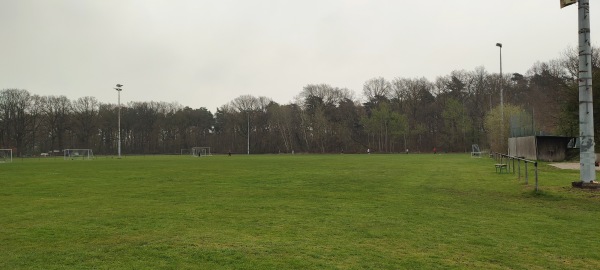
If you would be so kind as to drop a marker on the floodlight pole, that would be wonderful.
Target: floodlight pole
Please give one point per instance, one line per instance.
(501, 97)
(248, 114)
(587, 154)
(119, 89)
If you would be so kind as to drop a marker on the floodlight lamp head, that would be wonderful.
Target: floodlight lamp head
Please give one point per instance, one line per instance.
(119, 85)
(499, 45)
(564, 3)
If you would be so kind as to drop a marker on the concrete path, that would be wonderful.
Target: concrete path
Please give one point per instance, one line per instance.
(569, 166)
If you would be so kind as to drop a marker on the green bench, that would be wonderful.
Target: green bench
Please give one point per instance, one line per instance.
(501, 167)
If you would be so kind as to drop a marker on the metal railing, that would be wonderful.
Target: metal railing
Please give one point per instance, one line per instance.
(501, 158)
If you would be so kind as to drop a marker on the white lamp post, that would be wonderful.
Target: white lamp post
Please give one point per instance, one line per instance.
(501, 97)
(119, 89)
(248, 114)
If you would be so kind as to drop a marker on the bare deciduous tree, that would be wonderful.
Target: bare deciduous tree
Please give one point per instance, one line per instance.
(377, 88)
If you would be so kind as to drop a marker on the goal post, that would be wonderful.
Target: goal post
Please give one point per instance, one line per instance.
(6, 155)
(201, 151)
(78, 154)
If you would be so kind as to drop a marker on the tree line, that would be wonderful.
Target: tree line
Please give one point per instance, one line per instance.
(390, 116)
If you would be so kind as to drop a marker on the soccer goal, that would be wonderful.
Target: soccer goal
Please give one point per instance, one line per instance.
(78, 154)
(201, 151)
(475, 151)
(5, 155)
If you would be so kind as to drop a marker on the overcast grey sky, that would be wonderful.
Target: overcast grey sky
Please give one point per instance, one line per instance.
(205, 53)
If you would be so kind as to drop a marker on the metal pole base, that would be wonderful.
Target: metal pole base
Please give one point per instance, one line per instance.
(586, 185)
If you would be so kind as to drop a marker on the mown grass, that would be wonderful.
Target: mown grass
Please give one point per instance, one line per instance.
(292, 212)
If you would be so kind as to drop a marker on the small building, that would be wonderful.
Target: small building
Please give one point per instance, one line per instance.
(543, 148)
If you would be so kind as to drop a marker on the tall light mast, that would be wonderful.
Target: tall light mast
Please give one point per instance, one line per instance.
(119, 89)
(587, 154)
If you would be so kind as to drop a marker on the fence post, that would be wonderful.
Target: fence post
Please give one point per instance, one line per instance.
(513, 166)
(536, 176)
(526, 174)
(519, 163)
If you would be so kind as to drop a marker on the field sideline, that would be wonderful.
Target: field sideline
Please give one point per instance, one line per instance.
(292, 212)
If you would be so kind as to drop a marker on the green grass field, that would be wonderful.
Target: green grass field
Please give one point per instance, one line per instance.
(292, 212)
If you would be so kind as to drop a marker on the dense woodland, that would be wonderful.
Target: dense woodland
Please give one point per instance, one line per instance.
(451, 113)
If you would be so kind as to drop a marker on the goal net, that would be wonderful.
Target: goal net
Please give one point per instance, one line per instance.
(201, 151)
(475, 151)
(78, 154)
(5, 155)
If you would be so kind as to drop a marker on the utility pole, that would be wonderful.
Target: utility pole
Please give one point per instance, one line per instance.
(119, 89)
(501, 98)
(587, 154)
(248, 115)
